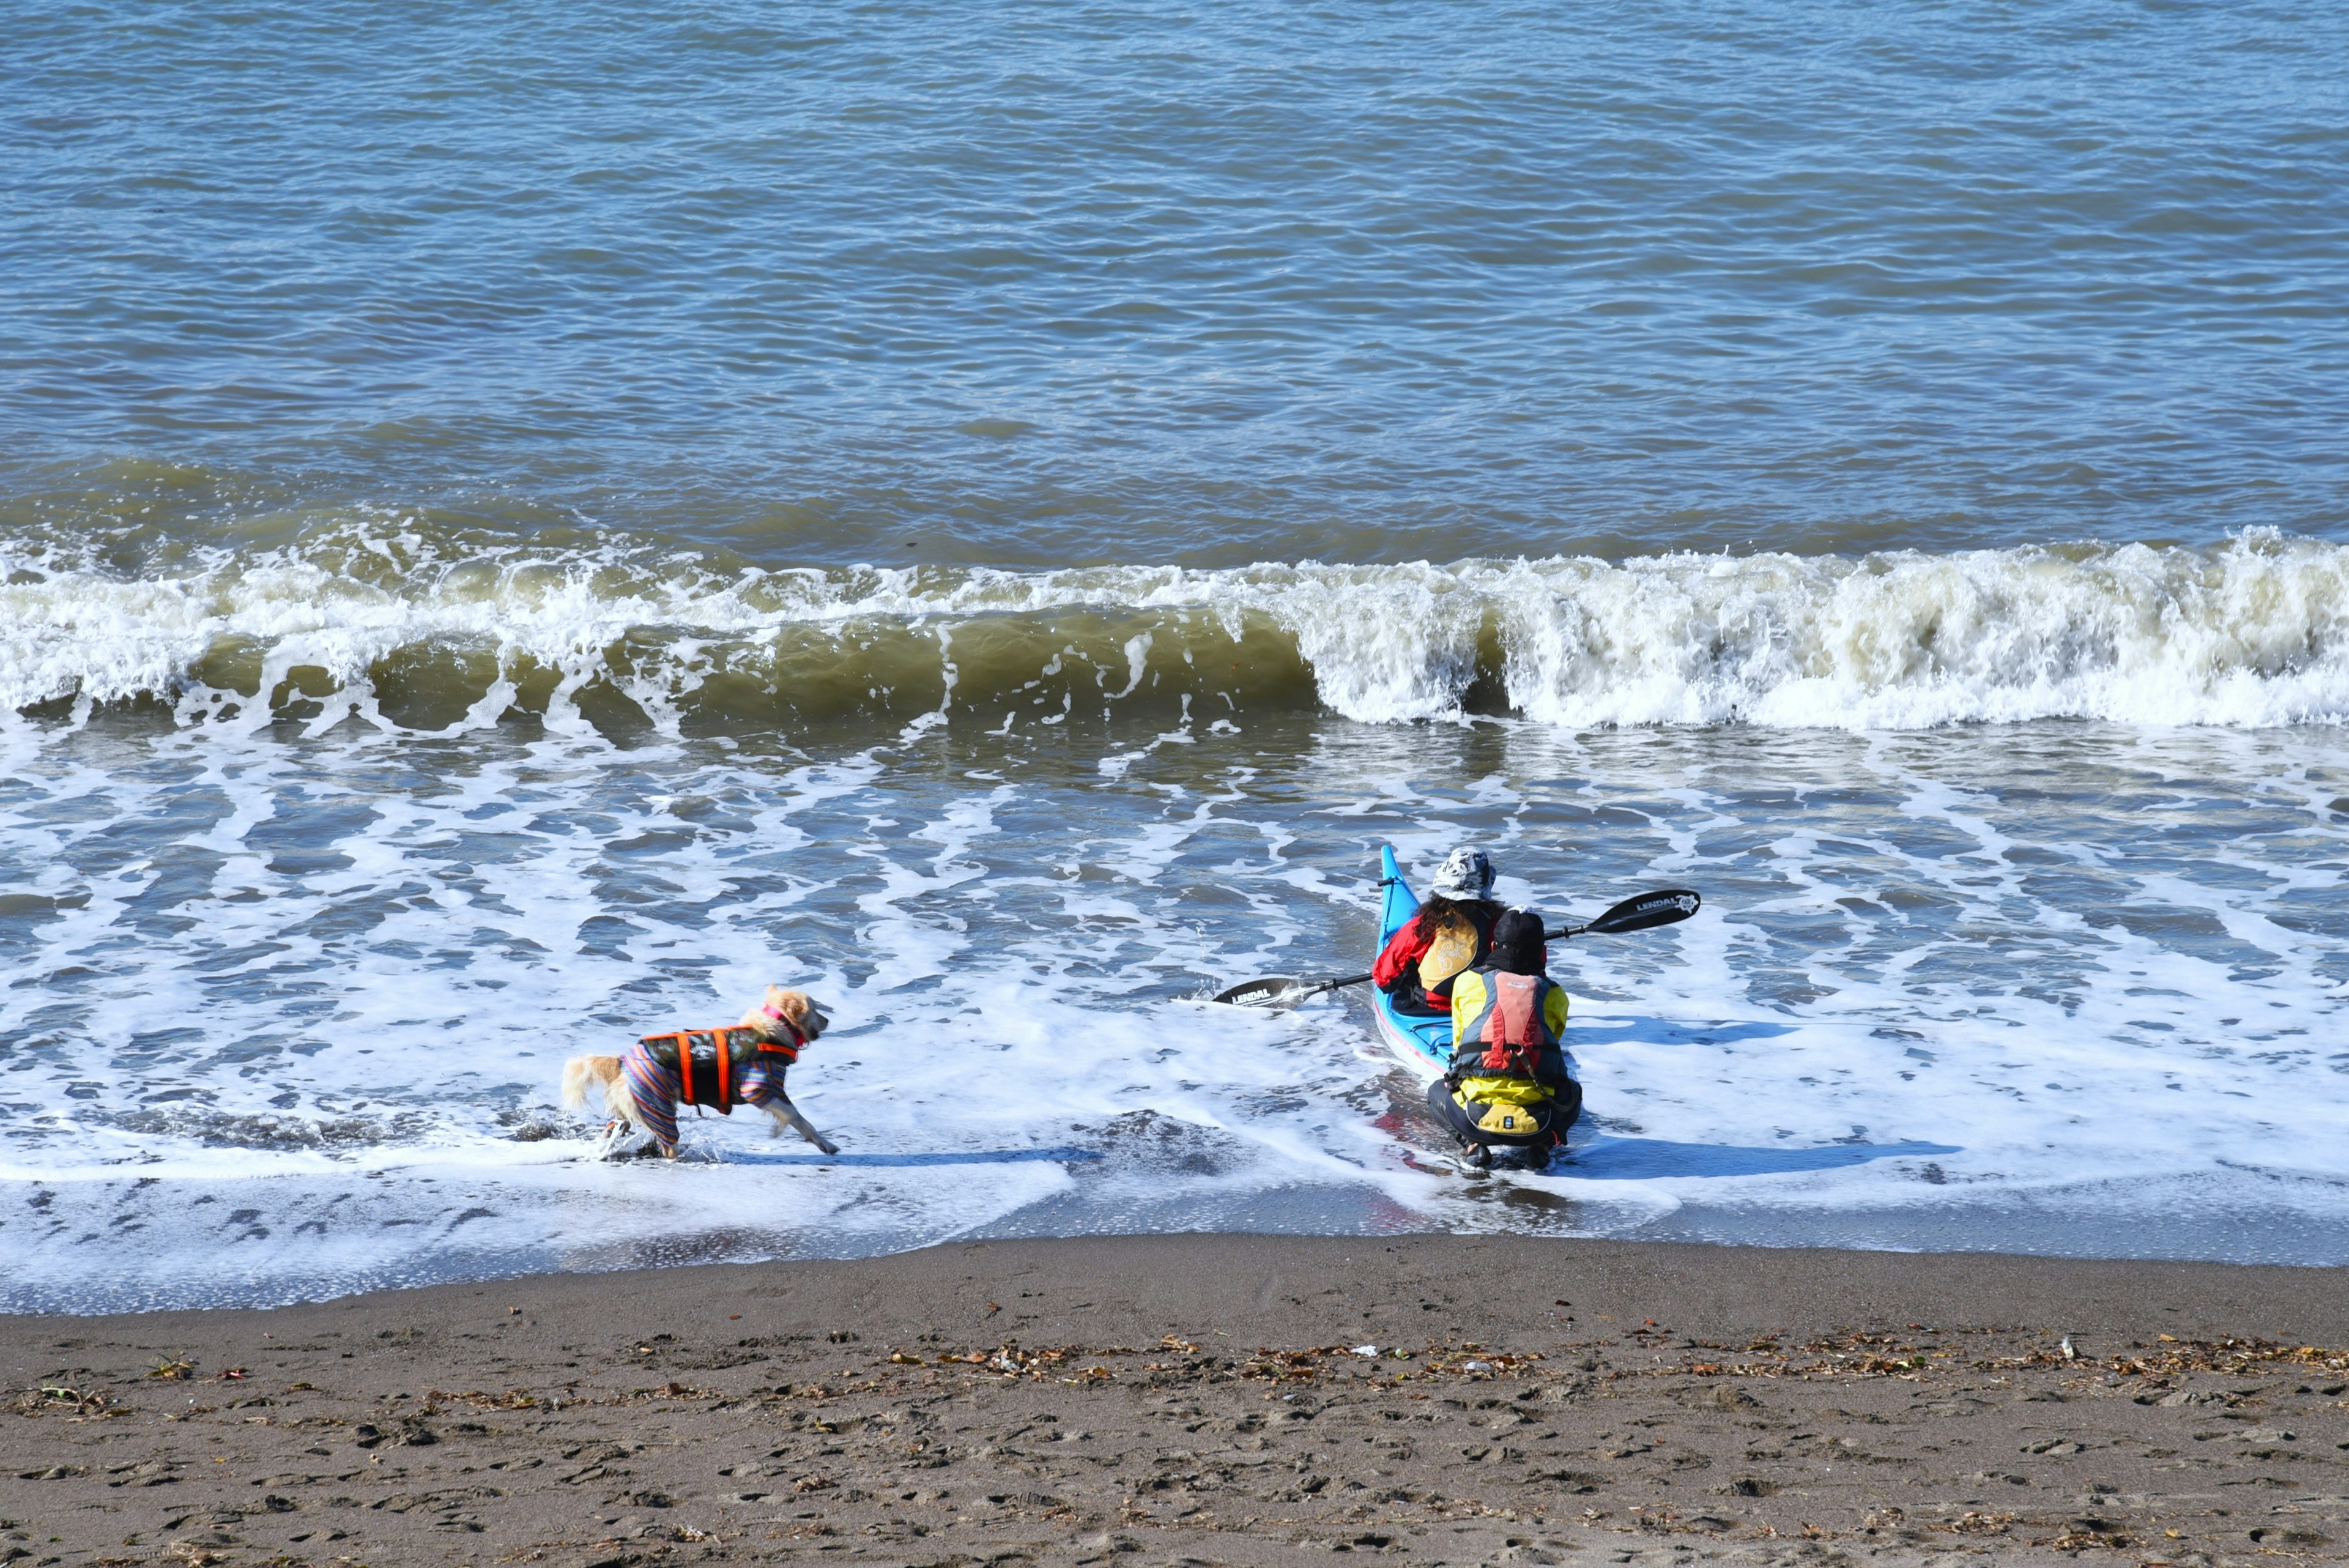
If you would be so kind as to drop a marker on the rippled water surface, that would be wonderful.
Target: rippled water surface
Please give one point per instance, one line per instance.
(519, 528)
(1240, 282)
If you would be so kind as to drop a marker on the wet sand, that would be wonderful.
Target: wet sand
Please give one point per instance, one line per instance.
(1209, 1399)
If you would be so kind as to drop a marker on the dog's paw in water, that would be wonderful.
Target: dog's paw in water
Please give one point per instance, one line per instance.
(621, 1141)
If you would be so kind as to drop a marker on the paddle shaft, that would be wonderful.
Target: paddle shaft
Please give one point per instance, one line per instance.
(1363, 978)
(1640, 913)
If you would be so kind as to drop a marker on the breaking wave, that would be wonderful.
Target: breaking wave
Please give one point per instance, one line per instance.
(413, 631)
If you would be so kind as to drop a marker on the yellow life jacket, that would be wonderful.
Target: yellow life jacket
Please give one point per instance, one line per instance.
(1452, 949)
(1501, 1022)
(1495, 1018)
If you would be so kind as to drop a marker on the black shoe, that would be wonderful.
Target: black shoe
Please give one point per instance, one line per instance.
(1538, 1157)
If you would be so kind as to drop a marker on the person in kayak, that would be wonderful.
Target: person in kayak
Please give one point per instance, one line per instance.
(1451, 933)
(1511, 1085)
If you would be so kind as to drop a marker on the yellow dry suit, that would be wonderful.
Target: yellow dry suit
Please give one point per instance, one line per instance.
(1508, 1073)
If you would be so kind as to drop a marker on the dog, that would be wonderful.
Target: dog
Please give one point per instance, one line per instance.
(640, 1093)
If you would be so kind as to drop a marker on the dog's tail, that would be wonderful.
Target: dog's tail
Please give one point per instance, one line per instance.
(582, 1071)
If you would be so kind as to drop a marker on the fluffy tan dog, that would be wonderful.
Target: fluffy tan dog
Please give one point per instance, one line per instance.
(639, 1093)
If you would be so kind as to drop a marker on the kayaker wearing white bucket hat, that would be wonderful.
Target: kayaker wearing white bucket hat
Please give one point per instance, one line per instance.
(1453, 934)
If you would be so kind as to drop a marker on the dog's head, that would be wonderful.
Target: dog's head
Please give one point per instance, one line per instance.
(784, 1013)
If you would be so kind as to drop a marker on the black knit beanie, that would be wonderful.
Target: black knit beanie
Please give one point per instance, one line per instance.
(1518, 942)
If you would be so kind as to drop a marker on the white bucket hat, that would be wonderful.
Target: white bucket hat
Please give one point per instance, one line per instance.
(1464, 874)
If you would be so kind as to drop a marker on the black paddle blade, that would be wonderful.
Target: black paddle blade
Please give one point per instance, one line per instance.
(1286, 990)
(1647, 911)
(1271, 990)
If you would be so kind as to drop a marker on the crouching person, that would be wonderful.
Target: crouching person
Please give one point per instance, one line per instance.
(1511, 1084)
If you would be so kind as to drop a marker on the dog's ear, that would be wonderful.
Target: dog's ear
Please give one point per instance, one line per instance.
(799, 1009)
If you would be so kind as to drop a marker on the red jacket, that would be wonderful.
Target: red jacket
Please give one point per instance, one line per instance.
(1400, 958)
(1403, 949)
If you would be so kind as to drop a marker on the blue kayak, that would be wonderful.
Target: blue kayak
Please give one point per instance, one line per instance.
(1421, 1042)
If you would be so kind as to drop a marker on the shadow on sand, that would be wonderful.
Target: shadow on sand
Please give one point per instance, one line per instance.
(1606, 1158)
(1609, 1029)
(1596, 1156)
(944, 1157)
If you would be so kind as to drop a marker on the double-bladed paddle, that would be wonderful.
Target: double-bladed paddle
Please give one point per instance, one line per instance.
(1645, 912)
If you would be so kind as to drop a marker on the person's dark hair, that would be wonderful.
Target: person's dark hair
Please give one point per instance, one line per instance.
(1518, 942)
(1431, 913)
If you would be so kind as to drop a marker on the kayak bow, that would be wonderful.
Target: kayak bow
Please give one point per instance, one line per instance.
(1420, 1042)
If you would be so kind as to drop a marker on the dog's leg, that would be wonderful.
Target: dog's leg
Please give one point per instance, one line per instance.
(656, 1120)
(628, 1118)
(610, 1139)
(788, 1115)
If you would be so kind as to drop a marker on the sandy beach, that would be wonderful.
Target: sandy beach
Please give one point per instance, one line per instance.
(1243, 1400)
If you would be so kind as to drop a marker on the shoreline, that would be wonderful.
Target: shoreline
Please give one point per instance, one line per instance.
(88, 1243)
(1090, 1398)
(2314, 1294)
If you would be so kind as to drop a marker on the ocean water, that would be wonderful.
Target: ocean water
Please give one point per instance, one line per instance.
(517, 531)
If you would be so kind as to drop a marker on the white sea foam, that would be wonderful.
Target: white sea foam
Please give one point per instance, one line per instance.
(2098, 1013)
(321, 1079)
(2255, 633)
(283, 1008)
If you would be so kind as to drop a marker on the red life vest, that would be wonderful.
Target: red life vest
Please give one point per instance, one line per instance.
(1513, 1032)
(709, 1060)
